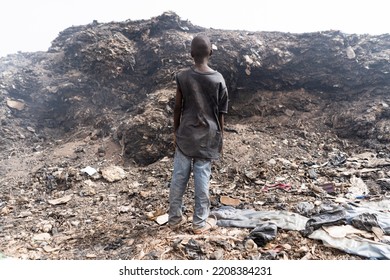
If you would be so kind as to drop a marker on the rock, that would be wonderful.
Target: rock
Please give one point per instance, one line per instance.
(217, 255)
(5, 210)
(15, 104)
(312, 174)
(358, 188)
(124, 209)
(272, 162)
(304, 249)
(41, 237)
(113, 173)
(61, 200)
(289, 113)
(47, 227)
(250, 245)
(88, 188)
(49, 249)
(145, 194)
(384, 183)
(226, 200)
(25, 214)
(350, 52)
(29, 128)
(75, 223)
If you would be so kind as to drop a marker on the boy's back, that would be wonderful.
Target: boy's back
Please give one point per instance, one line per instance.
(204, 98)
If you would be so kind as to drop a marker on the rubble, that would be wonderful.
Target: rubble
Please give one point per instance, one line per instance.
(86, 143)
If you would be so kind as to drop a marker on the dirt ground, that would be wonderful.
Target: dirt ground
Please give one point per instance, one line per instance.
(100, 219)
(88, 181)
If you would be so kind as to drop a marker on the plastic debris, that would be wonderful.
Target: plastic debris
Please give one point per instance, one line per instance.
(358, 188)
(163, 219)
(194, 250)
(263, 233)
(354, 245)
(89, 170)
(365, 221)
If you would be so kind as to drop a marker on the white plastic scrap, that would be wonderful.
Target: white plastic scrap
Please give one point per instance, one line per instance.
(89, 170)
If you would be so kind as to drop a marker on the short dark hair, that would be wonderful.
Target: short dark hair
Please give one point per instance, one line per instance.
(200, 46)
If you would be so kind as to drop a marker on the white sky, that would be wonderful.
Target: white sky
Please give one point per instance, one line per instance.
(31, 25)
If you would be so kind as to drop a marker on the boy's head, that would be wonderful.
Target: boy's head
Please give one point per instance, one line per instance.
(200, 47)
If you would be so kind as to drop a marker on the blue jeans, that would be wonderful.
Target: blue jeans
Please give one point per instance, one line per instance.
(201, 169)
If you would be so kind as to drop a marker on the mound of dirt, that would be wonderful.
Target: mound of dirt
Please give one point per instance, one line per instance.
(86, 141)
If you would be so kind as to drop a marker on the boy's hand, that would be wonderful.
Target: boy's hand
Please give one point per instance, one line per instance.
(174, 140)
(221, 152)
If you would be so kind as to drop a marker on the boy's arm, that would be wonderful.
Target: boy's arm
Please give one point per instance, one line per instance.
(177, 113)
(221, 120)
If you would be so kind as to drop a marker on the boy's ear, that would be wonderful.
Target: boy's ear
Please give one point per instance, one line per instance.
(211, 52)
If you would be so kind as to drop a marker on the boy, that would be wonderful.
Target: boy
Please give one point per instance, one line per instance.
(200, 105)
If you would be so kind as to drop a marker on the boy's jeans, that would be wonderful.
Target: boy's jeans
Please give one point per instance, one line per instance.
(181, 174)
